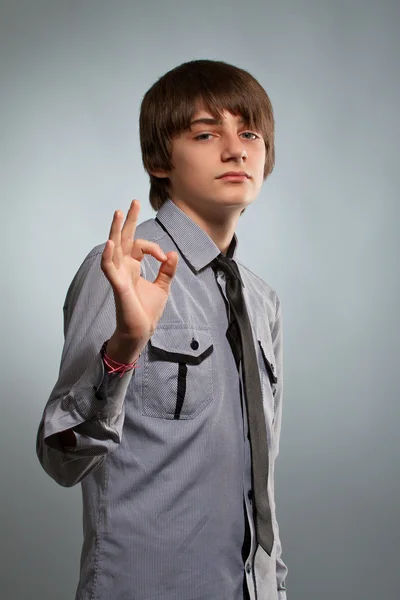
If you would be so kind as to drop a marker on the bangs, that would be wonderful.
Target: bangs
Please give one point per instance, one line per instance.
(218, 87)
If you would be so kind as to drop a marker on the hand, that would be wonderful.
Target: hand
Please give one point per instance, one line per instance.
(139, 303)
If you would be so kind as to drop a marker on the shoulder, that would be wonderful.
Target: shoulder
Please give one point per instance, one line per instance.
(91, 263)
(147, 230)
(259, 288)
(89, 272)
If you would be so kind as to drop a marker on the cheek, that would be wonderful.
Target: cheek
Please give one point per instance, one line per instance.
(190, 169)
(183, 163)
(261, 165)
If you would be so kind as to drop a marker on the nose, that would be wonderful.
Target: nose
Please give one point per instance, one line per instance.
(233, 148)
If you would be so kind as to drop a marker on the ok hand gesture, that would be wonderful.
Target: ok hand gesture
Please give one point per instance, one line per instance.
(139, 303)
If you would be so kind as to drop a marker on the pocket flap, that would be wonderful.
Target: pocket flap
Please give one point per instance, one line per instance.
(181, 344)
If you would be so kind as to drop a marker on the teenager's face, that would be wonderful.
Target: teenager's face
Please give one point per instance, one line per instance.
(202, 155)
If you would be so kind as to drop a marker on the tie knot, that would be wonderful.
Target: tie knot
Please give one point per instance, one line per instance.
(227, 266)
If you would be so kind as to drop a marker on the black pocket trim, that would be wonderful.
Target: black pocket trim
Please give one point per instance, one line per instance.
(178, 357)
(272, 377)
(182, 372)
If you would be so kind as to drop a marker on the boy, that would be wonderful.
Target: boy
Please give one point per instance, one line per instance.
(151, 412)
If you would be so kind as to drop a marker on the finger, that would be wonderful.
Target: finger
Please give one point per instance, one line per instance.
(107, 263)
(129, 227)
(110, 270)
(115, 229)
(115, 236)
(167, 271)
(141, 247)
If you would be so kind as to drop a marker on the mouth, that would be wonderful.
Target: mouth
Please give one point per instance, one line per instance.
(234, 176)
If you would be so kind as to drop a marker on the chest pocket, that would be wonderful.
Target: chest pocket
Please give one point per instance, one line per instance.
(178, 373)
(269, 379)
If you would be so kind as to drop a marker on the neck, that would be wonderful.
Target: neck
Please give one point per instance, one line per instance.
(220, 228)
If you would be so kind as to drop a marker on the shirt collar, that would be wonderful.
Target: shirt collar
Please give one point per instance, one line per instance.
(195, 245)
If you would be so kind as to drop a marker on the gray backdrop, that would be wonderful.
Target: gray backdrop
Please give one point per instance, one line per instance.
(323, 233)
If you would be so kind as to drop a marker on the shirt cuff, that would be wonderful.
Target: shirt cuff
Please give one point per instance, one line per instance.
(98, 394)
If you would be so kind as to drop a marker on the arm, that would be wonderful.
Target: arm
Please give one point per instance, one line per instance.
(84, 416)
(281, 568)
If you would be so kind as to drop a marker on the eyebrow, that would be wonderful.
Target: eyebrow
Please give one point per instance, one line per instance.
(210, 121)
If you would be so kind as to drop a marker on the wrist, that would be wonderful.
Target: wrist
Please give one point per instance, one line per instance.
(123, 349)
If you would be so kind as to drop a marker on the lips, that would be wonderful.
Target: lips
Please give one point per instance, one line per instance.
(233, 174)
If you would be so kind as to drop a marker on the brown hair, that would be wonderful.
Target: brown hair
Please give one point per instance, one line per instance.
(169, 105)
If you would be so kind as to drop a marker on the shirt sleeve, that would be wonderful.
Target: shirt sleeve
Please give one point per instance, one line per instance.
(85, 397)
(281, 568)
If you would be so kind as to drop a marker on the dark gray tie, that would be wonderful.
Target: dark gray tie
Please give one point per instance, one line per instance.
(240, 337)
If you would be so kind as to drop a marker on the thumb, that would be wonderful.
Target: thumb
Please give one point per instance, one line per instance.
(167, 271)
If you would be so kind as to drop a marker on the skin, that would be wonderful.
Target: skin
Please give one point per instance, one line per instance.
(200, 156)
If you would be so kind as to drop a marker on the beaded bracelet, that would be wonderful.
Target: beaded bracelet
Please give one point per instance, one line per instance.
(113, 365)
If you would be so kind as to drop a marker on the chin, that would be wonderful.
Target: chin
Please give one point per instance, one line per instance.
(237, 200)
(228, 208)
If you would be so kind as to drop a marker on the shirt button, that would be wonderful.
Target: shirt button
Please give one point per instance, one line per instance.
(250, 495)
(248, 569)
(194, 344)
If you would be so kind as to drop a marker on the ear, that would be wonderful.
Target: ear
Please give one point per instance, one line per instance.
(159, 173)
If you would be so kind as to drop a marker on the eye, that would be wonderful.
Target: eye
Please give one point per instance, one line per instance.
(206, 136)
(255, 137)
(202, 136)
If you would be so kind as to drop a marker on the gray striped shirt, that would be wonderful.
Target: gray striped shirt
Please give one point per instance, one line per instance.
(166, 483)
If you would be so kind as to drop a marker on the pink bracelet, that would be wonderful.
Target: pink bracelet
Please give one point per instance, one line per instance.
(113, 365)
